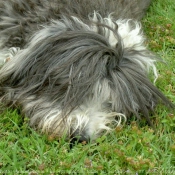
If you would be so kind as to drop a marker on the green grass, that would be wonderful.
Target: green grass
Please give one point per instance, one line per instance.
(130, 149)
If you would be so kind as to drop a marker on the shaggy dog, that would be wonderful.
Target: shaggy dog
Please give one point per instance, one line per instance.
(76, 67)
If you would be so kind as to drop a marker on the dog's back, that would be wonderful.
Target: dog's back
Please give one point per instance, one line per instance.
(19, 19)
(120, 9)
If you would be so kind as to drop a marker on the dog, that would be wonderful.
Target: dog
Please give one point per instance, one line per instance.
(77, 68)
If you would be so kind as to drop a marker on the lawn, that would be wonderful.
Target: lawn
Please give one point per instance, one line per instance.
(130, 149)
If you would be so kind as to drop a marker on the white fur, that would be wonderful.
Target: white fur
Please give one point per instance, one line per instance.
(8, 54)
(91, 117)
(132, 37)
(129, 30)
(131, 34)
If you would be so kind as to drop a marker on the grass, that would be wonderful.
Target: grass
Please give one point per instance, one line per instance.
(130, 149)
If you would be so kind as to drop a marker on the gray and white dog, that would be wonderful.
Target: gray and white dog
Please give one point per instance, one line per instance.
(76, 67)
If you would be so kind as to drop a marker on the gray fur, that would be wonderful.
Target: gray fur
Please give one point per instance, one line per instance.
(22, 18)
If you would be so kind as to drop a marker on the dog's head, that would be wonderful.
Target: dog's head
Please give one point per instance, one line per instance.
(79, 77)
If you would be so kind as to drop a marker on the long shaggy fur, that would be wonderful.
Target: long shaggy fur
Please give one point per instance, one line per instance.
(76, 67)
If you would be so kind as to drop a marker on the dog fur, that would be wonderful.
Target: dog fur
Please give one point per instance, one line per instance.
(76, 67)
